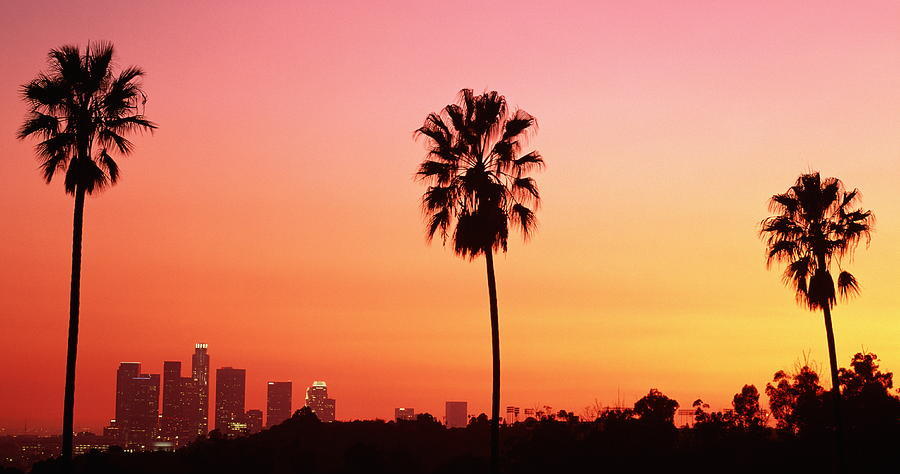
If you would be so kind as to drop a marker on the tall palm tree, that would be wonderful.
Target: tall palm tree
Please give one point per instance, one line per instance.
(478, 184)
(817, 223)
(81, 112)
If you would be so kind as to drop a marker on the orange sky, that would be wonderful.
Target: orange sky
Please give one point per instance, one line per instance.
(273, 214)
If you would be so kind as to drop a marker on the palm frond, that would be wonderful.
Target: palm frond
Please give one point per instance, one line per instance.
(847, 285)
(108, 138)
(525, 219)
(81, 112)
(85, 174)
(42, 125)
(477, 181)
(109, 165)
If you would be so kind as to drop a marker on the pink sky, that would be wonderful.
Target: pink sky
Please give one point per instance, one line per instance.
(273, 214)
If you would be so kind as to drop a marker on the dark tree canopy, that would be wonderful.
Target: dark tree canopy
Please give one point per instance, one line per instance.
(478, 177)
(656, 407)
(82, 112)
(796, 400)
(817, 223)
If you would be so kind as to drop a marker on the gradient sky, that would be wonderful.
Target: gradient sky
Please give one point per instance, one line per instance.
(274, 216)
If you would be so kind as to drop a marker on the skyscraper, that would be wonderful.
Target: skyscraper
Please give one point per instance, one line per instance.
(317, 400)
(230, 389)
(172, 421)
(404, 414)
(278, 402)
(456, 414)
(126, 372)
(137, 406)
(181, 416)
(200, 375)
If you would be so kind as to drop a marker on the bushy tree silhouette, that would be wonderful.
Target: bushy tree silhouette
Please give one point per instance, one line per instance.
(81, 111)
(655, 407)
(796, 401)
(478, 183)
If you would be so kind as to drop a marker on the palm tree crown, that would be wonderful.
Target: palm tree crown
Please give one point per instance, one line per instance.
(817, 223)
(476, 175)
(81, 112)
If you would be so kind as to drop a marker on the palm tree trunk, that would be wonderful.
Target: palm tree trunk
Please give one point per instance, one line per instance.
(495, 352)
(74, 301)
(835, 390)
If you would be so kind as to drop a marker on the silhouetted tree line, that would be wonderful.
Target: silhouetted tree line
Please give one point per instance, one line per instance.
(639, 439)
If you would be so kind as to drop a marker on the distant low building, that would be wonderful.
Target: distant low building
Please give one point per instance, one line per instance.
(456, 414)
(404, 414)
(254, 421)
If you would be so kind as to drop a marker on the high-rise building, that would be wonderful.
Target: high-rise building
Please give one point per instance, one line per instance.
(172, 420)
(137, 406)
(317, 400)
(181, 416)
(278, 402)
(404, 414)
(200, 376)
(254, 421)
(230, 390)
(456, 414)
(126, 372)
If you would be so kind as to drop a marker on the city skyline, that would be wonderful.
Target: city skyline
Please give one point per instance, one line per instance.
(653, 119)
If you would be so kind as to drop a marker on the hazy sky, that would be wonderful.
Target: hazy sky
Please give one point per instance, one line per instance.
(274, 215)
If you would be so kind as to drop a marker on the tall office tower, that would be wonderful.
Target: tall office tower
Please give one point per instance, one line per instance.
(254, 421)
(278, 402)
(172, 421)
(144, 410)
(137, 406)
(126, 372)
(230, 389)
(317, 400)
(404, 414)
(200, 374)
(456, 414)
(193, 412)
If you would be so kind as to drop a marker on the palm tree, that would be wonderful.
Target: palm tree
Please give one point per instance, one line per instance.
(817, 223)
(478, 184)
(81, 111)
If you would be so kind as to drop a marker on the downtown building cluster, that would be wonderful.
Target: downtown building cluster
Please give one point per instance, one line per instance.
(139, 424)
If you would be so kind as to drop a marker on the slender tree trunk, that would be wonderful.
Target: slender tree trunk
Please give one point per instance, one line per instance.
(835, 391)
(74, 301)
(495, 352)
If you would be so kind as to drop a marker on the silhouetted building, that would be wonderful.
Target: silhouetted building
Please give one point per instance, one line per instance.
(456, 414)
(172, 420)
(254, 421)
(126, 372)
(404, 414)
(317, 400)
(182, 411)
(200, 376)
(137, 406)
(278, 402)
(230, 390)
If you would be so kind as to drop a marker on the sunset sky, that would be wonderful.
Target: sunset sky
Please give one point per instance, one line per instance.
(275, 217)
